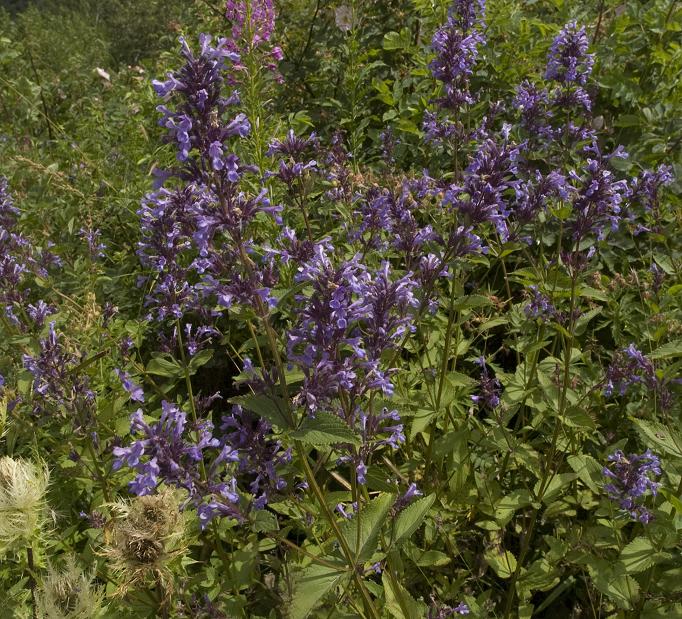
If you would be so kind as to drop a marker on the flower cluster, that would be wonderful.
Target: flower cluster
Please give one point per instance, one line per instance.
(169, 451)
(349, 321)
(253, 23)
(630, 478)
(456, 47)
(568, 60)
(629, 367)
(490, 175)
(195, 237)
(597, 202)
(345, 327)
(55, 385)
(259, 454)
(20, 262)
(490, 388)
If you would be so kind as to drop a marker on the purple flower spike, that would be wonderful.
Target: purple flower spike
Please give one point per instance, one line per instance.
(456, 47)
(630, 480)
(568, 61)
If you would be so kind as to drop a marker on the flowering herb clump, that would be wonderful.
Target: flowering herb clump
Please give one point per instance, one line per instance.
(396, 274)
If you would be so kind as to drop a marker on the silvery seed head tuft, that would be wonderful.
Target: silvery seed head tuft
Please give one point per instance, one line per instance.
(22, 501)
(69, 594)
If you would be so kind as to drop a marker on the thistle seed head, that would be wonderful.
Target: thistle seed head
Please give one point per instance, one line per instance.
(146, 536)
(69, 594)
(22, 501)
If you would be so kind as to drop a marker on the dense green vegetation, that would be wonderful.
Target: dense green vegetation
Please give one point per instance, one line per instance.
(400, 336)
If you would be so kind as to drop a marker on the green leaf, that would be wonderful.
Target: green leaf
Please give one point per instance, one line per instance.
(588, 470)
(471, 302)
(671, 349)
(201, 358)
(310, 585)
(264, 521)
(661, 436)
(399, 603)
(503, 562)
(411, 517)
(430, 558)
(555, 486)
(165, 365)
(325, 429)
(539, 576)
(613, 582)
(370, 521)
(638, 555)
(272, 409)
(505, 508)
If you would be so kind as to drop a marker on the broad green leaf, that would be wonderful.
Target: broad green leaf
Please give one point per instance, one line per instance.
(310, 585)
(399, 603)
(506, 506)
(409, 520)
(639, 555)
(611, 580)
(539, 576)
(370, 521)
(472, 301)
(165, 365)
(272, 409)
(264, 521)
(503, 562)
(430, 558)
(325, 429)
(201, 358)
(668, 441)
(588, 470)
(555, 486)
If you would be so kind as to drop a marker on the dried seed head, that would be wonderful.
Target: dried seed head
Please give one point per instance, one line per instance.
(22, 501)
(144, 550)
(69, 594)
(146, 535)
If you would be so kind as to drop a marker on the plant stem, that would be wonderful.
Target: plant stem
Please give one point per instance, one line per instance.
(32, 580)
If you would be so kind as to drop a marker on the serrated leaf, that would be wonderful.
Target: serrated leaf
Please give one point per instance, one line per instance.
(661, 436)
(270, 408)
(611, 580)
(311, 585)
(671, 349)
(264, 521)
(325, 429)
(638, 555)
(409, 520)
(371, 519)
